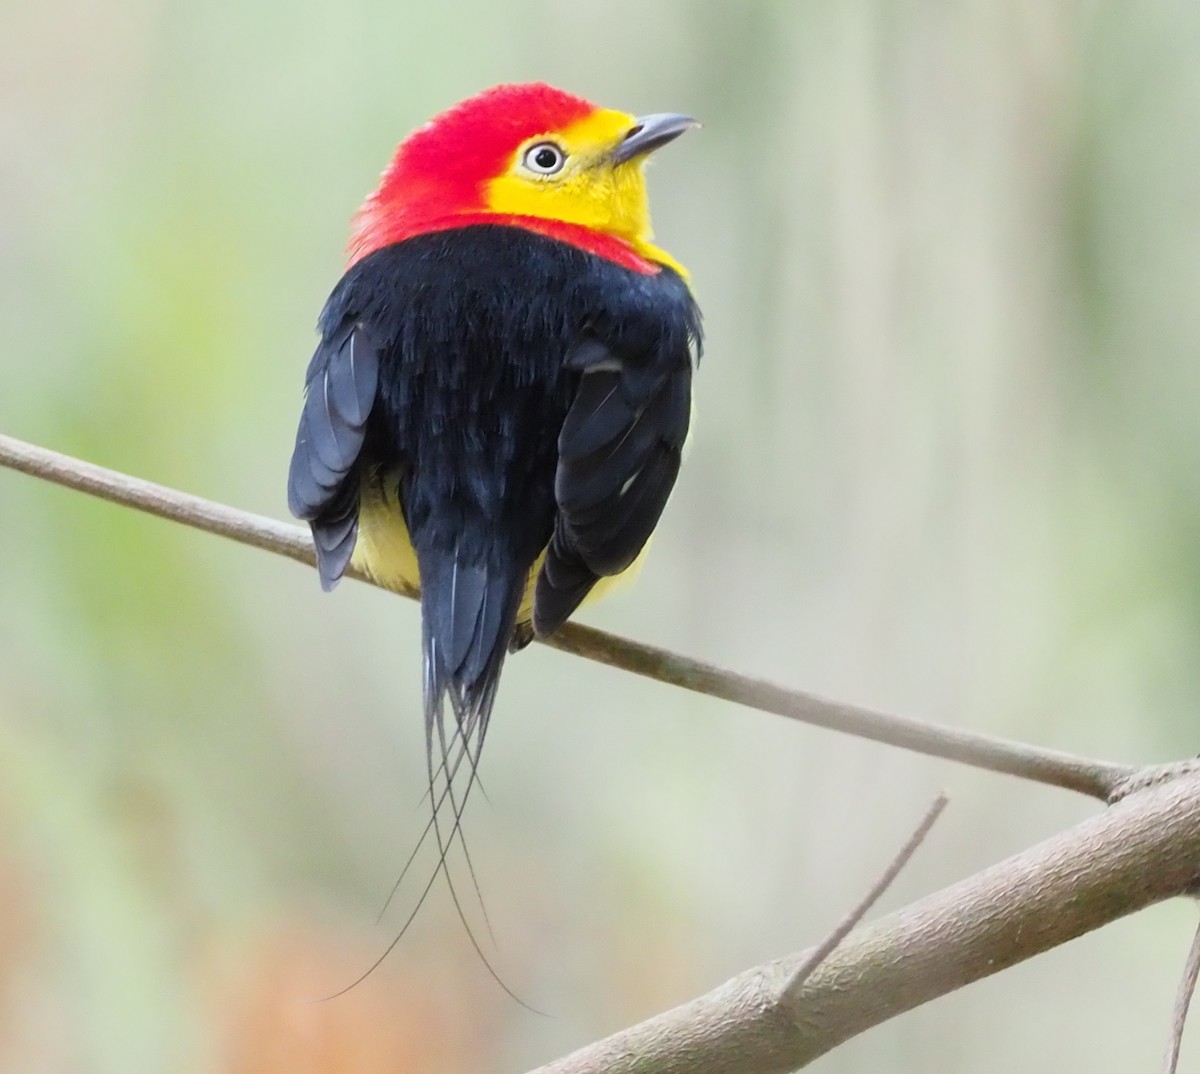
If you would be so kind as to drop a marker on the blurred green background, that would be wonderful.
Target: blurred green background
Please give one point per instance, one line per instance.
(946, 462)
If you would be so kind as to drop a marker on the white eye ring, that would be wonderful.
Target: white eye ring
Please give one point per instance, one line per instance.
(545, 158)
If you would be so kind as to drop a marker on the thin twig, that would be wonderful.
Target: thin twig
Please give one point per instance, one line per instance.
(194, 511)
(1087, 776)
(843, 929)
(1057, 769)
(1183, 999)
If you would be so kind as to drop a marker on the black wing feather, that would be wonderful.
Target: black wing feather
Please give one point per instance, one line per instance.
(323, 482)
(618, 456)
(600, 413)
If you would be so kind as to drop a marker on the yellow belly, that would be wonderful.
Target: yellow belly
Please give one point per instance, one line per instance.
(385, 553)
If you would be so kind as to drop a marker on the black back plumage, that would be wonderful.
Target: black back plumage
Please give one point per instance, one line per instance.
(511, 394)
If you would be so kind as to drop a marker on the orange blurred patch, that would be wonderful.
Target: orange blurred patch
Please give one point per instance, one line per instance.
(276, 1023)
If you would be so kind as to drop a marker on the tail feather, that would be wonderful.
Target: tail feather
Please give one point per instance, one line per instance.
(468, 617)
(468, 611)
(468, 614)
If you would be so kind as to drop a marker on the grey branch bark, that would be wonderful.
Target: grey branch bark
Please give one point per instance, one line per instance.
(1099, 779)
(1142, 850)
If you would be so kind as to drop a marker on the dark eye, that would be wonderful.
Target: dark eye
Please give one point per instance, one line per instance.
(545, 158)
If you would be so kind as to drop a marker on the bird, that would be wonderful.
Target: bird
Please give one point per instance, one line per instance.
(497, 407)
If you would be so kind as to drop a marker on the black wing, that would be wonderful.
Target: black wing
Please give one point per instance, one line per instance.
(619, 454)
(323, 482)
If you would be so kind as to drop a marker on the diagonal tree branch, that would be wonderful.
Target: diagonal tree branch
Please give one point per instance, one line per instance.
(1142, 850)
(1099, 779)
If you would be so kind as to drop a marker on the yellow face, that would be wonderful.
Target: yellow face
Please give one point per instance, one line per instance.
(570, 175)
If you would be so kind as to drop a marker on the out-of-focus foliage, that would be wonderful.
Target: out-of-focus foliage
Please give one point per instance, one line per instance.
(947, 462)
